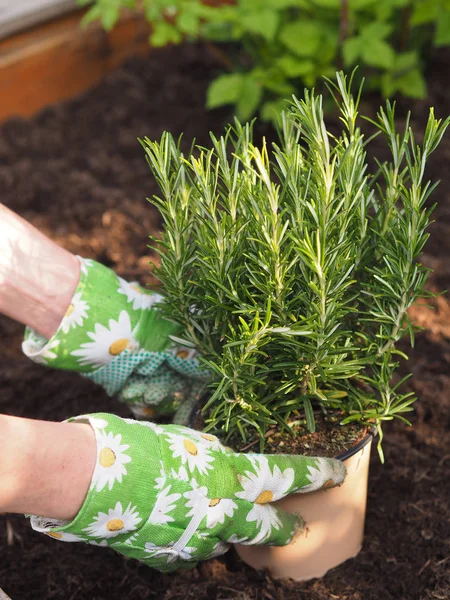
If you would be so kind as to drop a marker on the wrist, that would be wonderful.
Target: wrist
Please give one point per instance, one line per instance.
(37, 277)
(45, 468)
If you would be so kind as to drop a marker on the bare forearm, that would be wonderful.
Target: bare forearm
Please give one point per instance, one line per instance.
(37, 277)
(45, 468)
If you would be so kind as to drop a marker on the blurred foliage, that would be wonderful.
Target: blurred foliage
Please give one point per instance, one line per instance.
(272, 48)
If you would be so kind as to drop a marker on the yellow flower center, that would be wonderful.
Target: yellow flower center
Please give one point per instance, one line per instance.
(208, 437)
(115, 525)
(182, 354)
(329, 483)
(118, 346)
(214, 502)
(137, 289)
(264, 497)
(106, 457)
(70, 310)
(191, 448)
(54, 534)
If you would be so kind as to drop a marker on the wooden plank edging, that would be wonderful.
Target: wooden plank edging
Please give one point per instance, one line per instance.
(58, 60)
(18, 15)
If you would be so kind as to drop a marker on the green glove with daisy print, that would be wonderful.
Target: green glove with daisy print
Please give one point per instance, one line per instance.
(170, 496)
(113, 333)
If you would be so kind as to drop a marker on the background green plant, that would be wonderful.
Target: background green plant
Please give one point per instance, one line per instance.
(291, 270)
(277, 46)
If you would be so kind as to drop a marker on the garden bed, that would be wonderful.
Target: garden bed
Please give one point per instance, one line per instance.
(77, 172)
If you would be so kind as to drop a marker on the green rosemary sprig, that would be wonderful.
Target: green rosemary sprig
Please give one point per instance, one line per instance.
(291, 269)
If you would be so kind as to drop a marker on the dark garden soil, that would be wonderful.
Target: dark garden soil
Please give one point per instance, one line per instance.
(77, 172)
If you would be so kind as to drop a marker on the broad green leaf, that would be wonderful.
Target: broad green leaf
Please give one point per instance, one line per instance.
(249, 98)
(328, 3)
(271, 4)
(360, 4)
(93, 14)
(264, 23)
(424, 11)
(442, 37)
(405, 61)
(224, 90)
(216, 32)
(188, 22)
(109, 16)
(164, 33)
(351, 50)
(384, 10)
(375, 31)
(329, 45)
(302, 37)
(412, 84)
(378, 53)
(279, 85)
(293, 66)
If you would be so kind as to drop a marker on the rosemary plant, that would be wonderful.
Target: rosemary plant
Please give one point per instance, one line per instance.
(291, 269)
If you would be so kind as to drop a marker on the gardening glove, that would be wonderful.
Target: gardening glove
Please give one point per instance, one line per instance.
(171, 496)
(114, 334)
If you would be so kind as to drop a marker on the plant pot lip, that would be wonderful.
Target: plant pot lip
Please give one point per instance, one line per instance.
(370, 435)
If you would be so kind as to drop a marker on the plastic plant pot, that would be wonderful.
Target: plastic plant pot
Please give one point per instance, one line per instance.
(334, 525)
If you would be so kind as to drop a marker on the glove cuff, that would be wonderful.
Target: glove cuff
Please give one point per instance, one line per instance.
(123, 486)
(107, 315)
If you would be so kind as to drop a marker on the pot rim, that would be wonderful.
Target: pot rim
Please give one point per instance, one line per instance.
(370, 435)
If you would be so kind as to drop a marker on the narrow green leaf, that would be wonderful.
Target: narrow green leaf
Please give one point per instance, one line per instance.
(309, 414)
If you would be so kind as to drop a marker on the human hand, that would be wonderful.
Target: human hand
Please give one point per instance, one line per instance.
(171, 496)
(113, 333)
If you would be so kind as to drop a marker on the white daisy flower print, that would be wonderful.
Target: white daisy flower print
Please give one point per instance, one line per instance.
(103, 543)
(75, 314)
(115, 522)
(130, 541)
(95, 422)
(160, 481)
(235, 539)
(137, 295)
(219, 549)
(195, 455)
(181, 474)
(107, 342)
(261, 488)
(62, 536)
(111, 460)
(41, 354)
(217, 508)
(323, 476)
(184, 352)
(165, 503)
(85, 264)
(169, 551)
(153, 426)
